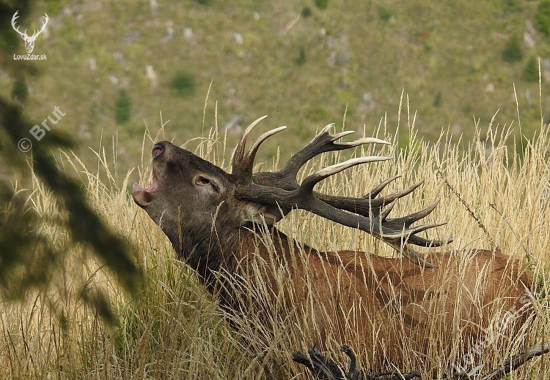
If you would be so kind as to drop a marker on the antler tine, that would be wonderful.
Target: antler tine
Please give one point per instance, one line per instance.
(310, 181)
(399, 194)
(340, 135)
(369, 205)
(325, 129)
(405, 233)
(238, 153)
(248, 159)
(377, 189)
(403, 224)
(321, 143)
(361, 141)
(321, 140)
(384, 214)
(421, 242)
(407, 220)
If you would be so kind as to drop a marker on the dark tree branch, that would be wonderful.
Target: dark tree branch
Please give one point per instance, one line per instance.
(326, 369)
(516, 361)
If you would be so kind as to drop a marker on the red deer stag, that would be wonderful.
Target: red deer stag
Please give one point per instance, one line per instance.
(213, 220)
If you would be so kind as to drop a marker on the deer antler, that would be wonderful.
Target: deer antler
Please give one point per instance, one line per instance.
(281, 188)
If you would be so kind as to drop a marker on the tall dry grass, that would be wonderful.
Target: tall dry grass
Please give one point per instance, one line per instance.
(491, 197)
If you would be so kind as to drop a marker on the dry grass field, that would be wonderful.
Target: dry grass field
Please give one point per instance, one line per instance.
(490, 196)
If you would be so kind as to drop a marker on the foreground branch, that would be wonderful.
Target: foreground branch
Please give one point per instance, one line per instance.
(516, 361)
(324, 368)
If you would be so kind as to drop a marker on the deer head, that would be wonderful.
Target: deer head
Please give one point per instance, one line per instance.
(190, 197)
(29, 41)
(189, 194)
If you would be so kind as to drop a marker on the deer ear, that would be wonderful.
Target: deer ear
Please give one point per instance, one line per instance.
(258, 213)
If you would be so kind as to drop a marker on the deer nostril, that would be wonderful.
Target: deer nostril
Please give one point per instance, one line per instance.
(158, 148)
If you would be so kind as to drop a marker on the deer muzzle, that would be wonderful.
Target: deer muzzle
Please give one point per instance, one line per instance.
(144, 195)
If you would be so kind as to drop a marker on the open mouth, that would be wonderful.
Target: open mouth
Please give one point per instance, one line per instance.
(144, 195)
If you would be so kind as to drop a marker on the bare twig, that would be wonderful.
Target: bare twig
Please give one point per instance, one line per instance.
(320, 366)
(473, 215)
(528, 255)
(517, 361)
(326, 369)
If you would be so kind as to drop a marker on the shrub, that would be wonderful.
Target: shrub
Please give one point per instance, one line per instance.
(19, 92)
(438, 99)
(301, 58)
(531, 72)
(54, 6)
(123, 107)
(316, 113)
(10, 42)
(306, 12)
(321, 4)
(512, 51)
(510, 5)
(183, 83)
(384, 13)
(542, 18)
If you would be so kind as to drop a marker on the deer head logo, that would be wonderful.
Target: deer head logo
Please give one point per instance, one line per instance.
(29, 41)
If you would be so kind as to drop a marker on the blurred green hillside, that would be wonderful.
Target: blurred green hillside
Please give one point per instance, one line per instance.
(114, 66)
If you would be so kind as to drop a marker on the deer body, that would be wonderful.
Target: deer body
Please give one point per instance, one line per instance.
(351, 280)
(216, 221)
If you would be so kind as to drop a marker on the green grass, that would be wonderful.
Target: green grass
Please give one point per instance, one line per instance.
(360, 56)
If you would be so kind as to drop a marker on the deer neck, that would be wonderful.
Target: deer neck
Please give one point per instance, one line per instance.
(212, 252)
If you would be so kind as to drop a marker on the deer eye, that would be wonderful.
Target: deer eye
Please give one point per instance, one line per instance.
(201, 180)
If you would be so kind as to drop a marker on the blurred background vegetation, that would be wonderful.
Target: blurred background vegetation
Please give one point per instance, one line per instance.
(114, 66)
(37, 241)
